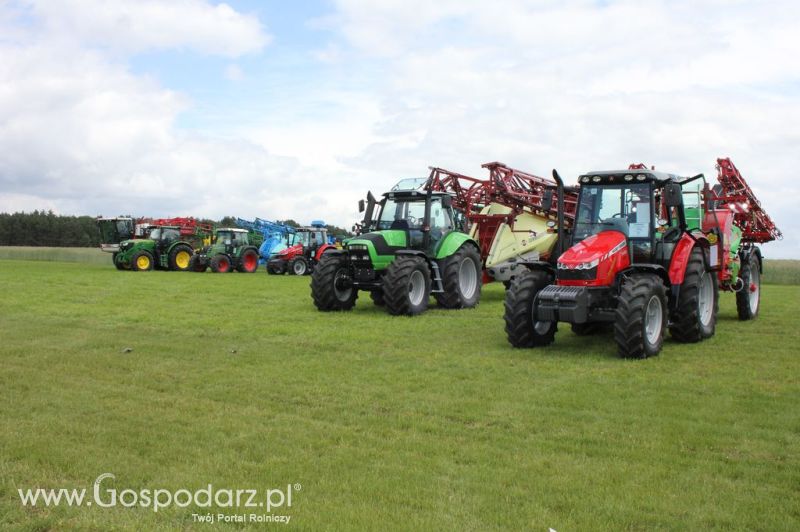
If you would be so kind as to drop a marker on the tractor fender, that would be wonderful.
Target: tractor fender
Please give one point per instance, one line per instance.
(322, 249)
(653, 269)
(412, 252)
(451, 242)
(745, 257)
(680, 256)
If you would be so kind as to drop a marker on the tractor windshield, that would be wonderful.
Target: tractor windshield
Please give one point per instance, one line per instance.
(224, 237)
(624, 208)
(410, 214)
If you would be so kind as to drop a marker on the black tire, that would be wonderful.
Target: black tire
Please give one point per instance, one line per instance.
(637, 331)
(248, 262)
(327, 290)
(522, 329)
(274, 270)
(117, 264)
(377, 297)
(135, 263)
(588, 329)
(298, 266)
(221, 264)
(748, 299)
(197, 264)
(177, 260)
(402, 291)
(461, 279)
(698, 303)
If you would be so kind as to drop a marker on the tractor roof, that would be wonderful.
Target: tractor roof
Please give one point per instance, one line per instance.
(619, 177)
(232, 229)
(410, 183)
(412, 194)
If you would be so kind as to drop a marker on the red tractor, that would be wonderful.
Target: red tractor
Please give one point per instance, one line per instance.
(306, 247)
(650, 252)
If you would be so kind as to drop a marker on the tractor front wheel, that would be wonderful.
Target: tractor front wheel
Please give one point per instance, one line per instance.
(180, 258)
(522, 329)
(332, 285)
(298, 266)
(249, 261)
(142, 261)
(461, 279)
(641, 316)
(748, 298)
(196, 264)
(117, 263)
(220, 264)
(696, 316)
(407, 286)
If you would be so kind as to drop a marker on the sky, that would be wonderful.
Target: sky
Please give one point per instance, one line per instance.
(294, 110)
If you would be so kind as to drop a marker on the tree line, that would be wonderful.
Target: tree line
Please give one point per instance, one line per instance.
(45, 228)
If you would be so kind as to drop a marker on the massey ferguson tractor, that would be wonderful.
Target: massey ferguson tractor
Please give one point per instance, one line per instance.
(231, 249)
(649, 253)
(307, 245)
(169, 246)
(416, 248)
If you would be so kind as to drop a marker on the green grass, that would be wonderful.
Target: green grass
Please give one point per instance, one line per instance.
(387, 423)
(51, 254)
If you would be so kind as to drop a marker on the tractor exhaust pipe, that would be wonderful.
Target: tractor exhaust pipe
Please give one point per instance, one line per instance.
(560, 199)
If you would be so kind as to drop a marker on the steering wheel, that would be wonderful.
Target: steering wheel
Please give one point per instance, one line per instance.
(618, 215)
(412, 220)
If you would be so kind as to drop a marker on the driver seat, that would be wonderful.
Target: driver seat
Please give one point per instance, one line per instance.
(400, 224)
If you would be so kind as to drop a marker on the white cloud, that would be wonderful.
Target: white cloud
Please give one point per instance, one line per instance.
(141, 25)
(233, 72)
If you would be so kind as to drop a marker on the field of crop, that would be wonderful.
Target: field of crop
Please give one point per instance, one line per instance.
(180, 380)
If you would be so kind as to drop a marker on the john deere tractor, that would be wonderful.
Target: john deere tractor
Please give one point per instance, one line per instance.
(165, 249)
(231, 249)
(416, 248)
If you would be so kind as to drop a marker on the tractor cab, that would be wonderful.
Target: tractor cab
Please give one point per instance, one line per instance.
(113, 231)
(231, 237)
(163, 236)
(424, 218)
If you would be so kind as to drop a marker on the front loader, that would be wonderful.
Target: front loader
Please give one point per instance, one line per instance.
(414, 249)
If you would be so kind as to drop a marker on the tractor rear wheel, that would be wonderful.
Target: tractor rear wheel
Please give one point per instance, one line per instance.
(197, 264)
(461, 279)
(407, 286)
(142, 261)
(377, 297)
(180, 258)
(748, 299)
(696, 316)
(332, 285)
(248, 263)
(220, 264)
(298, 266)
(641, 316)
(522, 329)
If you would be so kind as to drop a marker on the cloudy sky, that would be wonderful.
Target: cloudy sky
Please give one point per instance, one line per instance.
(294, 109)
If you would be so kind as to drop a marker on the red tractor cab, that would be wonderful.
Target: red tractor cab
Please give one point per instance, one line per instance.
(306, 247)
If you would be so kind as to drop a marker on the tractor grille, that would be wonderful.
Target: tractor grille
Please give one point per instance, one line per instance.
(567, 274)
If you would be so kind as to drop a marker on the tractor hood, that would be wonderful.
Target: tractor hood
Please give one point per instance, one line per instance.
(297, 248)
(594, 260)
(381, 245)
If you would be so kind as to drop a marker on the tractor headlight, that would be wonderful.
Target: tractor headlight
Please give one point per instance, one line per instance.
(596, 179)
(629, 177)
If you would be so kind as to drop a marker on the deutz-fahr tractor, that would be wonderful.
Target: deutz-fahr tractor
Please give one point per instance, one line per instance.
(417, 249)
(305, 250)
(231, 249)
(649, 252)
(165, 249)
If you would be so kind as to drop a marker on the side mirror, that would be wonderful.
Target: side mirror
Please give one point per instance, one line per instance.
(673, 195)
(447, 202)
(547, 200)
(361, 205)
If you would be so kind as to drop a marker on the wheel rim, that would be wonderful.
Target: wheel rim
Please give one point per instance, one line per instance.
(541, 327)
(143, 262)
(249, 262)
(182, 259)
(342, 294)
(705, 299)
(754, 288)
(299, 268)
(467, 278)
(416, 287)
(653, 318)
(223, 265)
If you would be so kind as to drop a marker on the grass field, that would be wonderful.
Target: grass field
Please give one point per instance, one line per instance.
(430, 423)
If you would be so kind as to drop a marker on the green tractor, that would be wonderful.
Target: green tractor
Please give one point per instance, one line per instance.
(416, 248)
(167, 248)
(231, 249)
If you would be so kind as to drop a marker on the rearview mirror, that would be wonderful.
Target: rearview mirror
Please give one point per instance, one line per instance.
(673, 196)
(447, 202)
(361, 205)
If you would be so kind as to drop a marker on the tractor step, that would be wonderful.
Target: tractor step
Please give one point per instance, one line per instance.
(437, 287)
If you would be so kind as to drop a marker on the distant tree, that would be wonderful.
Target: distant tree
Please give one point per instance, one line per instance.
(227, 221)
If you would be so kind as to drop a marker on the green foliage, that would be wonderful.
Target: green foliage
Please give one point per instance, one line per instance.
(40, 228)
(430, 423)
